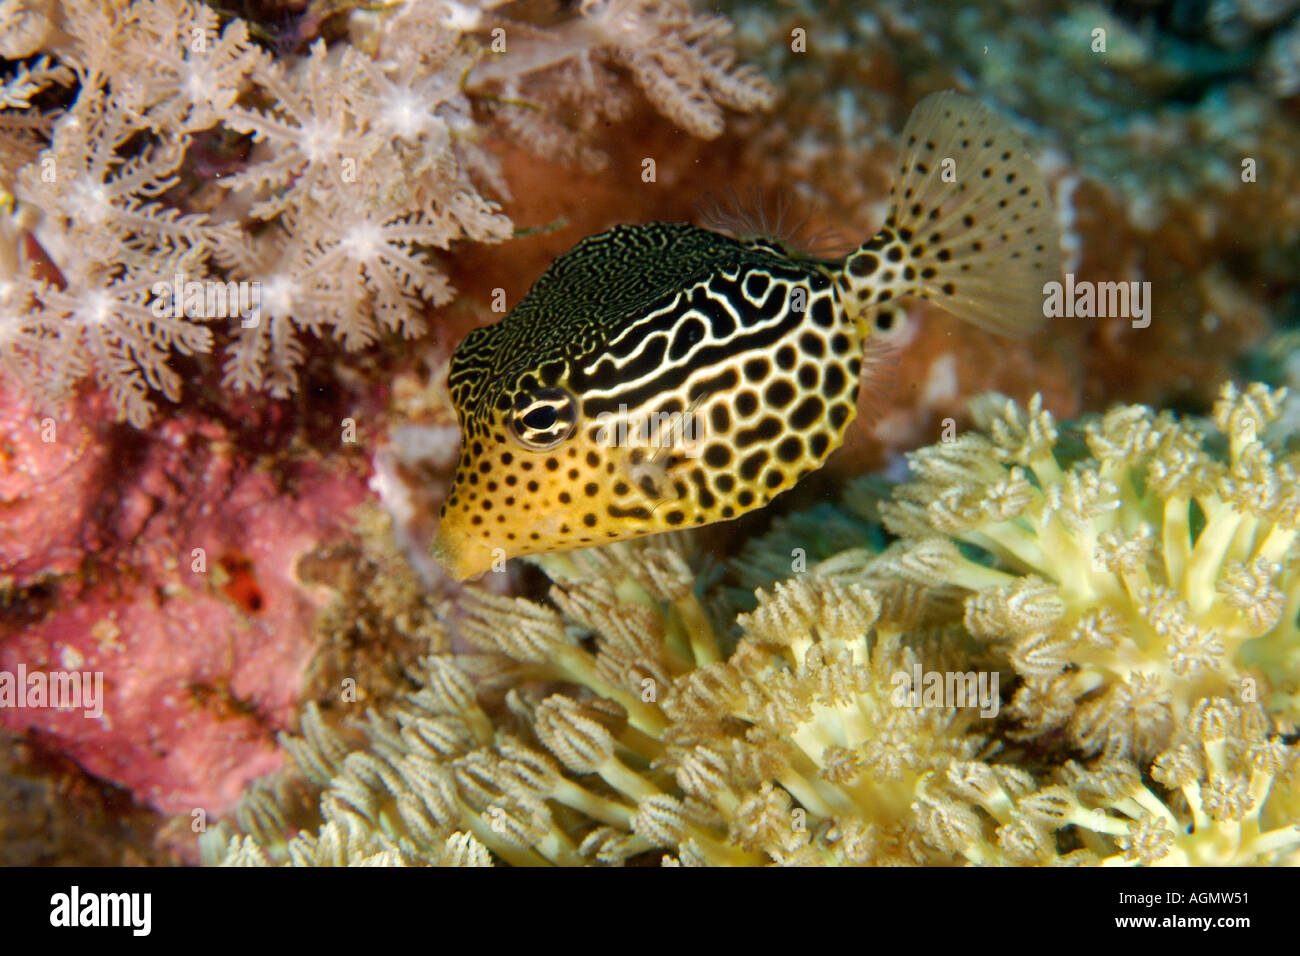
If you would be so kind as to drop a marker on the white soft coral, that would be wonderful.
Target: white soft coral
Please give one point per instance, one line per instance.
(366, 158)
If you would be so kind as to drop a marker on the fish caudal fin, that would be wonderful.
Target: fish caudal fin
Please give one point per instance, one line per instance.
(971, 227)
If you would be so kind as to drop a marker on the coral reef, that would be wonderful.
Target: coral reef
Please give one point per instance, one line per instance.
(621, 722)
(326, 181)
(55, 814)
(1131, 580)
(1142, 579)
(52, 467)
(196, 616)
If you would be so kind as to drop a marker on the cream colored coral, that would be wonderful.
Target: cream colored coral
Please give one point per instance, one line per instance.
(792, 751)
(364, 157)
(1154, 574)
(27, 26)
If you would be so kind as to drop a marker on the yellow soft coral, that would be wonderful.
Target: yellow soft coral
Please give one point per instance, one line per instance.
(1138, 581)
(809, 701)
(793, 750)
(1232, 792)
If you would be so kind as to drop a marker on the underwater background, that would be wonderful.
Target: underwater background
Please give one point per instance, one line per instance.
(220, 517)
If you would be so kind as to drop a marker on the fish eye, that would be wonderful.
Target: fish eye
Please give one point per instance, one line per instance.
(542, 419)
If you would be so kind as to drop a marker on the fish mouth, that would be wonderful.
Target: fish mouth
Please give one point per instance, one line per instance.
(461, 555)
